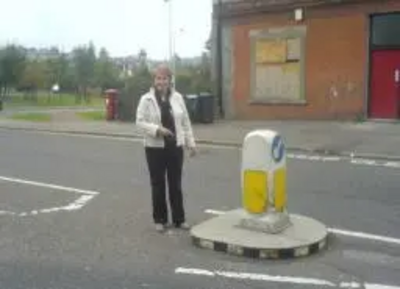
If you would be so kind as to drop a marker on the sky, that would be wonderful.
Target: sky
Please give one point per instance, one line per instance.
(121, 26)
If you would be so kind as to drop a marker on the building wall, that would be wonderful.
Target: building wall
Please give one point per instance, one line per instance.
(336, 63)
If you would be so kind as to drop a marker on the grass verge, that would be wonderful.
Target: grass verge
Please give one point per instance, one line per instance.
(33, 117)
(61, 100)
(91, 115)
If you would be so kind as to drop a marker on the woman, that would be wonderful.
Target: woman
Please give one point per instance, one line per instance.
(163, 119)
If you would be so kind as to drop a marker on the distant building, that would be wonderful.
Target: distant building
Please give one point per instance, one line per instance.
(308, 59)
(129, 64)
(126, 65)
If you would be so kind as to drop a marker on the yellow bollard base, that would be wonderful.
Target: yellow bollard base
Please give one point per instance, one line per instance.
(270, 223)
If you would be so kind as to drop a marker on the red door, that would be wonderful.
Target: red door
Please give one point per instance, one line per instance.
(384, 94)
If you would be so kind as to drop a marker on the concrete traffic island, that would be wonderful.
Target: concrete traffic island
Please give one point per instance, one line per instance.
(263, 229)
(304, 237)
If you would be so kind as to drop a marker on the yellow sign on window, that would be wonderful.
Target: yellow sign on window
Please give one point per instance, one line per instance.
(271, 51)
(291, 67)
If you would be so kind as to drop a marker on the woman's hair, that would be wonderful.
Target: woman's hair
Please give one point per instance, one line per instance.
(162, 69)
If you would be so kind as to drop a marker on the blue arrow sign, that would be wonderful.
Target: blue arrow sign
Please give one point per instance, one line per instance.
(278, 149)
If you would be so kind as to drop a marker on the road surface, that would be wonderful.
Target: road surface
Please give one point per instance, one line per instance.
(75, 213)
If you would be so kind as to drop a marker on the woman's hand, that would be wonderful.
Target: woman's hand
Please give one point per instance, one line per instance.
(164, 132)
(192, 151)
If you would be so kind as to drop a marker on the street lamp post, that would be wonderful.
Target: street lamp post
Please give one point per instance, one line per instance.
(171, 39)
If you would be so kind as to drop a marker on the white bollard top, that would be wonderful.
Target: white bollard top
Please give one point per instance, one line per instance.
(263, 150)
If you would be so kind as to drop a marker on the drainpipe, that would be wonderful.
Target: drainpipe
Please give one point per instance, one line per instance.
(219, 60)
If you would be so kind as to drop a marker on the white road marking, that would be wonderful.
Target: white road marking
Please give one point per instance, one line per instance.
(349, 285)
(79, 203)
(379, 286)
(347, 233)
(393, 165)
(133, 139)
(315, 157)
(47, 185)
(279, 279)
(365, 162)
(252, 276)
(353, 160)
(194, 271)
(214, 212)
(73, 206)
(365, 236)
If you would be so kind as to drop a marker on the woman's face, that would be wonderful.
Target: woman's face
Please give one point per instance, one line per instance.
(161, 82)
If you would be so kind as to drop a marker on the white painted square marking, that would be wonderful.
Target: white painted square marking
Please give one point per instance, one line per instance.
(85, 197)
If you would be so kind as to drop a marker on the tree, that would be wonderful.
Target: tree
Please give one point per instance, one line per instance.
(202, 77)
(142, 56)
(62, 71)
(106, 72)
(136, 85)
(57, 68)
(141, 80)
(184, 83)
(33, 78)
(84, 59)
(12, 62)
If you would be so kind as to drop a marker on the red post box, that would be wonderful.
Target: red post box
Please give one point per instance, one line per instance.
(111, 104)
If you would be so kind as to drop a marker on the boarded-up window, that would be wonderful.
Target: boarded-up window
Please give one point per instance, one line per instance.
(271, 51)
(277, 68)
(293, 49)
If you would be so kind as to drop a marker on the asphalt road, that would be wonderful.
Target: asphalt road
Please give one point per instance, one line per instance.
(109, 242)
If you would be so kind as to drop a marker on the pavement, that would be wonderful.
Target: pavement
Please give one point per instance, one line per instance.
(376, 140)
(108, 240)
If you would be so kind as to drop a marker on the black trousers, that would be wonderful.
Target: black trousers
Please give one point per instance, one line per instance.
(165, 164)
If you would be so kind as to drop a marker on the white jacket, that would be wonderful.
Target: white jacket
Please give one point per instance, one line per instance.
(148, 120)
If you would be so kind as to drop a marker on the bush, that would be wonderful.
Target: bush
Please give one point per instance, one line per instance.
(129, 96)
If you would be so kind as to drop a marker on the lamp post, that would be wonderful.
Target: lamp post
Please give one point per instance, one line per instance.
(171, 40)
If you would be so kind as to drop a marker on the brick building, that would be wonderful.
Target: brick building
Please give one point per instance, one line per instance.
(307, 59)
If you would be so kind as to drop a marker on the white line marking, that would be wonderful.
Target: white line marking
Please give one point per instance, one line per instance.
(47, 185)
(331, 159)
(364, 162)
(307, 157)
(194, 271)
(278, 279)
(73, 206)
(392, 164)
(214, 212)
(254, 277)
(379, 286)
(133, 139)
(365, 236)
(349, 285)
(79, 203)
(353, 234)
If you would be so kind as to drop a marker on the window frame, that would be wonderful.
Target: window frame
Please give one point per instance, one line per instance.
(278, 33)
(383, 46)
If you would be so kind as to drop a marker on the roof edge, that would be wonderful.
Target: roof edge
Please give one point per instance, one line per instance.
(242, 8)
